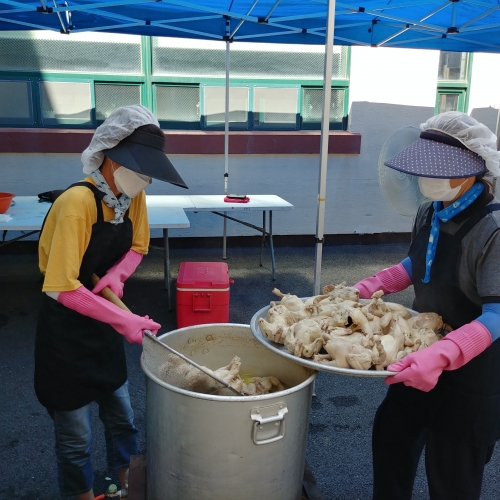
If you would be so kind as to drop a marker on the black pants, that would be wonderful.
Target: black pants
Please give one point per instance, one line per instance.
(454, 469)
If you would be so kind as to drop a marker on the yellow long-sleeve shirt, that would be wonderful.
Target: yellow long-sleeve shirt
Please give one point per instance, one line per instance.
(67, 231)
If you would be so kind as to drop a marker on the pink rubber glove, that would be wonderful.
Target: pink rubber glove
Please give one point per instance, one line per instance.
(121, 271)
(130, 325)
(390, 280)
(422, 369)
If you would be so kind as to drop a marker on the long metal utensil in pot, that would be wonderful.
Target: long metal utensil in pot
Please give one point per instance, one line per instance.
(108, 294)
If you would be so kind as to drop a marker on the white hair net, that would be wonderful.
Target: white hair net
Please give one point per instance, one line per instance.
(471, 133)
(118, 125)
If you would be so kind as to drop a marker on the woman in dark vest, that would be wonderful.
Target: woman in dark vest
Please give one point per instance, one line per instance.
(445, 397)
(97, 226)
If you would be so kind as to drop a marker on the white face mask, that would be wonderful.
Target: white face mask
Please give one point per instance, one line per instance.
(438, 189)
(129, 182)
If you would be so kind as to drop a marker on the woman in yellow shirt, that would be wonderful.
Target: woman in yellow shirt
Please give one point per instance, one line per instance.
(97, 226)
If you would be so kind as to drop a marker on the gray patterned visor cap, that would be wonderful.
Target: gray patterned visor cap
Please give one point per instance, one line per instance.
(438, 155)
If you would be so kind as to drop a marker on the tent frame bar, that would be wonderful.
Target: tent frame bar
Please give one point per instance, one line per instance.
(325, 136)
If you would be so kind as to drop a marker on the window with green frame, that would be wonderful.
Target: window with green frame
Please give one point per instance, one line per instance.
(68, 82)
(272, 87)
(453, 81)
(75, 82)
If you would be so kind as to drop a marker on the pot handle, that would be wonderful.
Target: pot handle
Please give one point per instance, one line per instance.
(261, 422)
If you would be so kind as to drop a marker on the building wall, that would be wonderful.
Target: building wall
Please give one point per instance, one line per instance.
(484, 95)
(389, 89)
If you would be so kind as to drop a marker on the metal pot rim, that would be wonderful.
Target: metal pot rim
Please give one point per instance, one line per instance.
(213, 397)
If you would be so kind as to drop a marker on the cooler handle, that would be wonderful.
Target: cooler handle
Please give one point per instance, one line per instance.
(201, 304)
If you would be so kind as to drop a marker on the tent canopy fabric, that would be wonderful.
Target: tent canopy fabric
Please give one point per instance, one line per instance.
(447, 25)
(452, 25)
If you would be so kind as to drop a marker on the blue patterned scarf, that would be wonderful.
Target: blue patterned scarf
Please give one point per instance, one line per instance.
(445, 215)
(120, 205)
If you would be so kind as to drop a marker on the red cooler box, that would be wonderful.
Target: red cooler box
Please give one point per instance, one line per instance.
(202, 293)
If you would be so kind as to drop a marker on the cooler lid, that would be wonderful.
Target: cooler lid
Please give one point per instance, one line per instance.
(203, 275)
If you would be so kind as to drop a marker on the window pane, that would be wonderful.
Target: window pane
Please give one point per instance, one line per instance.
(65, 102)
(110, 97)
(178, 104)
(448, 102)
(275, 106)
(312, 106)
(452, 66)
(16, 107)
(214, 105)
(247, 60)
(101, 53)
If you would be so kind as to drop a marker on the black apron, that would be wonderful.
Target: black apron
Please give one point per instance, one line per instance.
(78, 358)
(466, 402)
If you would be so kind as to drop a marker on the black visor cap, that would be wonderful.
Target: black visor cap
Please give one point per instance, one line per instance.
(143, 153)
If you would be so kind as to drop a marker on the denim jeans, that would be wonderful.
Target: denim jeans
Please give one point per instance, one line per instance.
(74, 440)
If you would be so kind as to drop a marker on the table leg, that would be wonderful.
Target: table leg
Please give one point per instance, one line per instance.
(17, 238)
(263, 239)
(224, 238)
(261, 230)
(166, 267)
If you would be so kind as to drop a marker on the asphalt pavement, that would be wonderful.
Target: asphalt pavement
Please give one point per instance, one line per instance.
(339, 449)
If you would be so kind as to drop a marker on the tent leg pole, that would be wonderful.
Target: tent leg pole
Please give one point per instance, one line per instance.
(226, 144)
(325, 134)
(226, 123)
(271, 244)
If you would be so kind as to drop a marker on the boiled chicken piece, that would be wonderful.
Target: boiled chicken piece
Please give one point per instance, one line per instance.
(178, 372)
(353, 318)
(398, 309)
(386, 322)
(354, 338)
(315, 300)
(362, 359)
(304, 339)
(390, 345)
(280, 314)
(291, 302)
(337, 348)
(275, 332)
(325, 322)
(426, 320)
(230, 373)
(409, 349)
(329, 308)
(338, 331)
(375, 324)
(278, 321)
(342, 292)
(426, 336)
(375, 306)
(343, 353)
(358, 321)
(401, 331)
(262, 385)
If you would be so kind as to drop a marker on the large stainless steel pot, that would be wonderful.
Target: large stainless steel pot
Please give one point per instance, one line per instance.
(208, 447)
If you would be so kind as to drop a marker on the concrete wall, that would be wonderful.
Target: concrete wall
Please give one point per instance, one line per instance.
(390, 88)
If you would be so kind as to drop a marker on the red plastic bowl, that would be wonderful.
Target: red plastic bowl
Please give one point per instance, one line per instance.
(5, 201)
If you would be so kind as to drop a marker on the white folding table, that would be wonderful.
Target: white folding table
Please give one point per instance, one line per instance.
(28, 215)
(215, 203)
